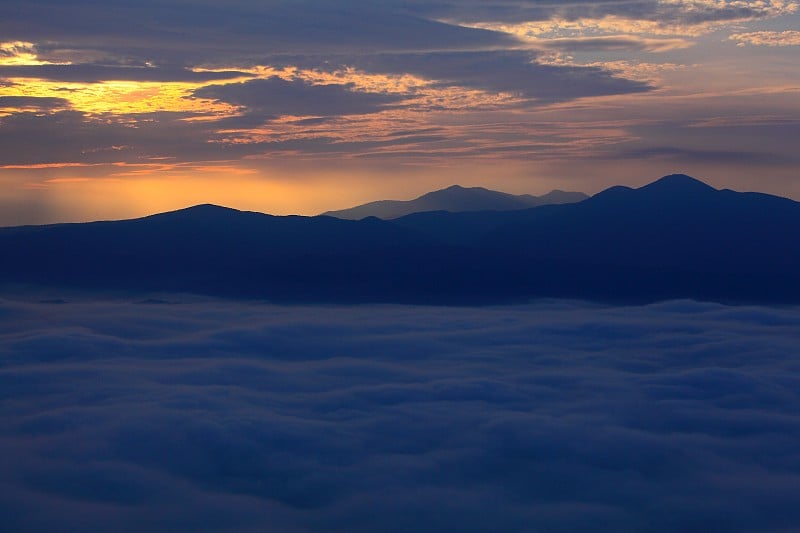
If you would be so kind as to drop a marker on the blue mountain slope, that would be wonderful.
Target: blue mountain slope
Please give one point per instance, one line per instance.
(676, 221)
(674, 238)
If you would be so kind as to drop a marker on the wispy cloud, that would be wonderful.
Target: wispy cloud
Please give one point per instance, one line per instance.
(767, 38)
(614, 43)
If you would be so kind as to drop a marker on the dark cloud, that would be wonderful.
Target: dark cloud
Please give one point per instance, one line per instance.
(680, 12)
(72, 137)
(515, 72)
(31, 138)
(275, 96)
(98, 73)
(706, 156)
(40, 102)
(213, 33)
(512, 71)
(379, 37)
(207, 33)
(200, 32)
(201, 414)
(614, 43)
(721, 139)
(28, 138)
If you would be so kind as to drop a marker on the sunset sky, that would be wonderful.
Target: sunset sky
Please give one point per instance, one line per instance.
(119, 108)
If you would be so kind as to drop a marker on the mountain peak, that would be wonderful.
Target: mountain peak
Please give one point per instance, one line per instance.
(198, 212)
(201, 208)
(678, 183)
(208, 208)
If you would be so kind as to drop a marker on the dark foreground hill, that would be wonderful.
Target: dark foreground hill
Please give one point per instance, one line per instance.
(674, 238)
(456, 199)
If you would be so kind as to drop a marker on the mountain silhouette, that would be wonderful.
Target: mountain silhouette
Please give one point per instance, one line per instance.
(456, 199)
(674, 238)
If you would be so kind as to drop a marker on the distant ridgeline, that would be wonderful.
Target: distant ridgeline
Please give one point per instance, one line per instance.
(674, 238)
(456, 199)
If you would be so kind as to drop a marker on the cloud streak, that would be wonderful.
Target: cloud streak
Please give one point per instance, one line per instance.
(767, 38)
(99, 73)
(185, 413)
(614, 43)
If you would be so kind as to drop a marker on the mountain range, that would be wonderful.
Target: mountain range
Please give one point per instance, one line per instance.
(674, 238)
(456, 199)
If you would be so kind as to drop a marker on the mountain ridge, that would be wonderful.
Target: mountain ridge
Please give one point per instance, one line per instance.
(676, 239)
(455, 198)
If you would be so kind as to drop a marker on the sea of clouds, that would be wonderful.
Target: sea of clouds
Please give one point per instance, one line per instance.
(187, 413)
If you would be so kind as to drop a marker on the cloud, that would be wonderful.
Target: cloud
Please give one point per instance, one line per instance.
(68, 136)
(167, 139)
(645, 17)
(614, 43)
(275, 96)
(38, 102)
(512, 71)
(554, 416)
(168, 32)
(705, 11)
(705, 156)
(88, 73)
(667, 13)
(16, 52)
(345, 103)
(123, 40)
(767, 38)
(133, 33)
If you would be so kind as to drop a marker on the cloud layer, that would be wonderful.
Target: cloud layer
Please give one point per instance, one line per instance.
(554, 416)
(767, 38)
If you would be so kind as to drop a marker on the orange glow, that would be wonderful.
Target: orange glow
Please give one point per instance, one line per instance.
(142, 191)
(120, 97)
(66, 180)
(139, 190)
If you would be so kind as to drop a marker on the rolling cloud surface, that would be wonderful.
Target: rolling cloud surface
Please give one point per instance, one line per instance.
(208, 414)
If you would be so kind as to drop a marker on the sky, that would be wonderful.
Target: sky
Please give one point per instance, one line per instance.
(124, 108)
(180, 413)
